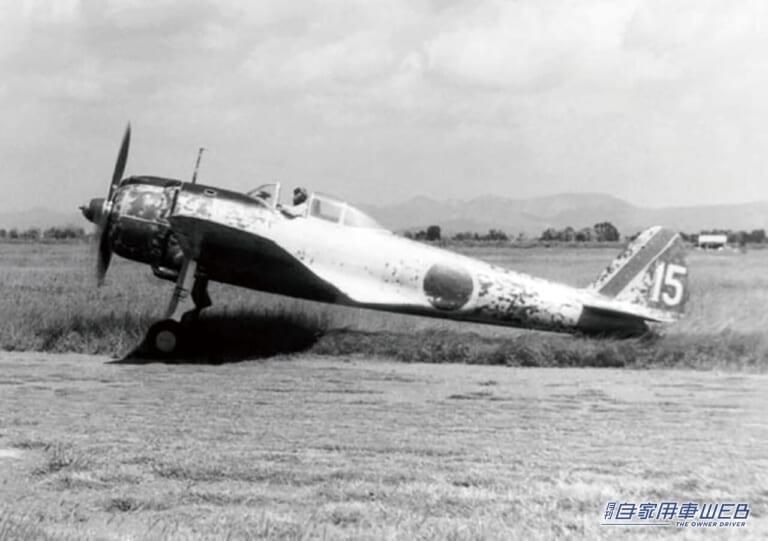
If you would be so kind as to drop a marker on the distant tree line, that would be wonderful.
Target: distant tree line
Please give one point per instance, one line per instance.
(600, 232)
(36, 234)
(432, 233)
(493, 235)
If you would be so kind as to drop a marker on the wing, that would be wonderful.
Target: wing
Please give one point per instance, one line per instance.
(231, 255)
(370, 292)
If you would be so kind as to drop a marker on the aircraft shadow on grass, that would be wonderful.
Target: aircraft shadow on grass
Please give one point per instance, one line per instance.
(222, 338)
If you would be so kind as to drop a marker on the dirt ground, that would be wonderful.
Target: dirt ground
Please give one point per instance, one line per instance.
(318, 447)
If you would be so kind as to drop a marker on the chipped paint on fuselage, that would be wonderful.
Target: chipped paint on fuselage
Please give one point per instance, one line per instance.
(376, 269)
(370, 267)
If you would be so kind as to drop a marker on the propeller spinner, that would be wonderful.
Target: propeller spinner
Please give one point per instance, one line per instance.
(98, 211)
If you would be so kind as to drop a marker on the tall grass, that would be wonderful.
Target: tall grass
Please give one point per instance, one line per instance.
(725, 350)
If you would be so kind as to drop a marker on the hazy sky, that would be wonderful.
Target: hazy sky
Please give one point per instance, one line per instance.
(659, 102)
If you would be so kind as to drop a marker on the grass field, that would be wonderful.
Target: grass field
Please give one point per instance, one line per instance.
(305, 447)
(330, 439)
(49, 303)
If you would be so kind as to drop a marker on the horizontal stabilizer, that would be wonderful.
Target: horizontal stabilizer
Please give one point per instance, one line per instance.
(630, 310)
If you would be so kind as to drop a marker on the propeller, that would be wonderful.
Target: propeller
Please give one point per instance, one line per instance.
(98, 211)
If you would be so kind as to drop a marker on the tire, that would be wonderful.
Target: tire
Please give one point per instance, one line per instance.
(165, 338)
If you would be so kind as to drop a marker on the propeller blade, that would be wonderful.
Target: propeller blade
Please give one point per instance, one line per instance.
(102, 263)
(99, 211)
(103, 250)
(122, 157)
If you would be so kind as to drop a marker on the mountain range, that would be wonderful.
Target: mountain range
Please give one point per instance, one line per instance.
(530, 216)
(534, 215)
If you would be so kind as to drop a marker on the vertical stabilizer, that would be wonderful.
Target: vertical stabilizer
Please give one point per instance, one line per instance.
(650, 272)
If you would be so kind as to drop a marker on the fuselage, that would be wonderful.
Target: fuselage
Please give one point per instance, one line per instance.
(324, 259)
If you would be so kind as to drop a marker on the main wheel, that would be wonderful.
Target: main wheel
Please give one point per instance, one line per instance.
(165, 338)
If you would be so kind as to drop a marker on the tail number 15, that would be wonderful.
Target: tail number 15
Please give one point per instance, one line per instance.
(668, 276)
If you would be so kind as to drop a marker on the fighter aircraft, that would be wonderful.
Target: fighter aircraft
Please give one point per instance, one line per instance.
(330, 251)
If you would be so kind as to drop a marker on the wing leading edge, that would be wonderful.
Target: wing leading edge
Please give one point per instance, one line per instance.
(234, 256)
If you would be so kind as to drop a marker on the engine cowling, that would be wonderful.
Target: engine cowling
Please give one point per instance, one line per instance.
(139, 229)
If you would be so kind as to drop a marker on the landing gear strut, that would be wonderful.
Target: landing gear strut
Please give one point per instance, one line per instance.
(190, 296)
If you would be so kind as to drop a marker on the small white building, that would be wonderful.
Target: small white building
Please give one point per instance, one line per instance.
(712, 242)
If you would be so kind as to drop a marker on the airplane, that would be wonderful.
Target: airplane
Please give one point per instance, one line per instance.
(332, 252)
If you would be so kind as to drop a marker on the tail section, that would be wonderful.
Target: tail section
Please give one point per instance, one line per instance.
(650, 273)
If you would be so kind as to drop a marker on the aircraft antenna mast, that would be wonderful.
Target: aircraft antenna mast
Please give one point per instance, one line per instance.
(197, 164)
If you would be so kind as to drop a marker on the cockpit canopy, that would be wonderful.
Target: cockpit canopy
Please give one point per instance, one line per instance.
(320, 206)
(326, 207)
